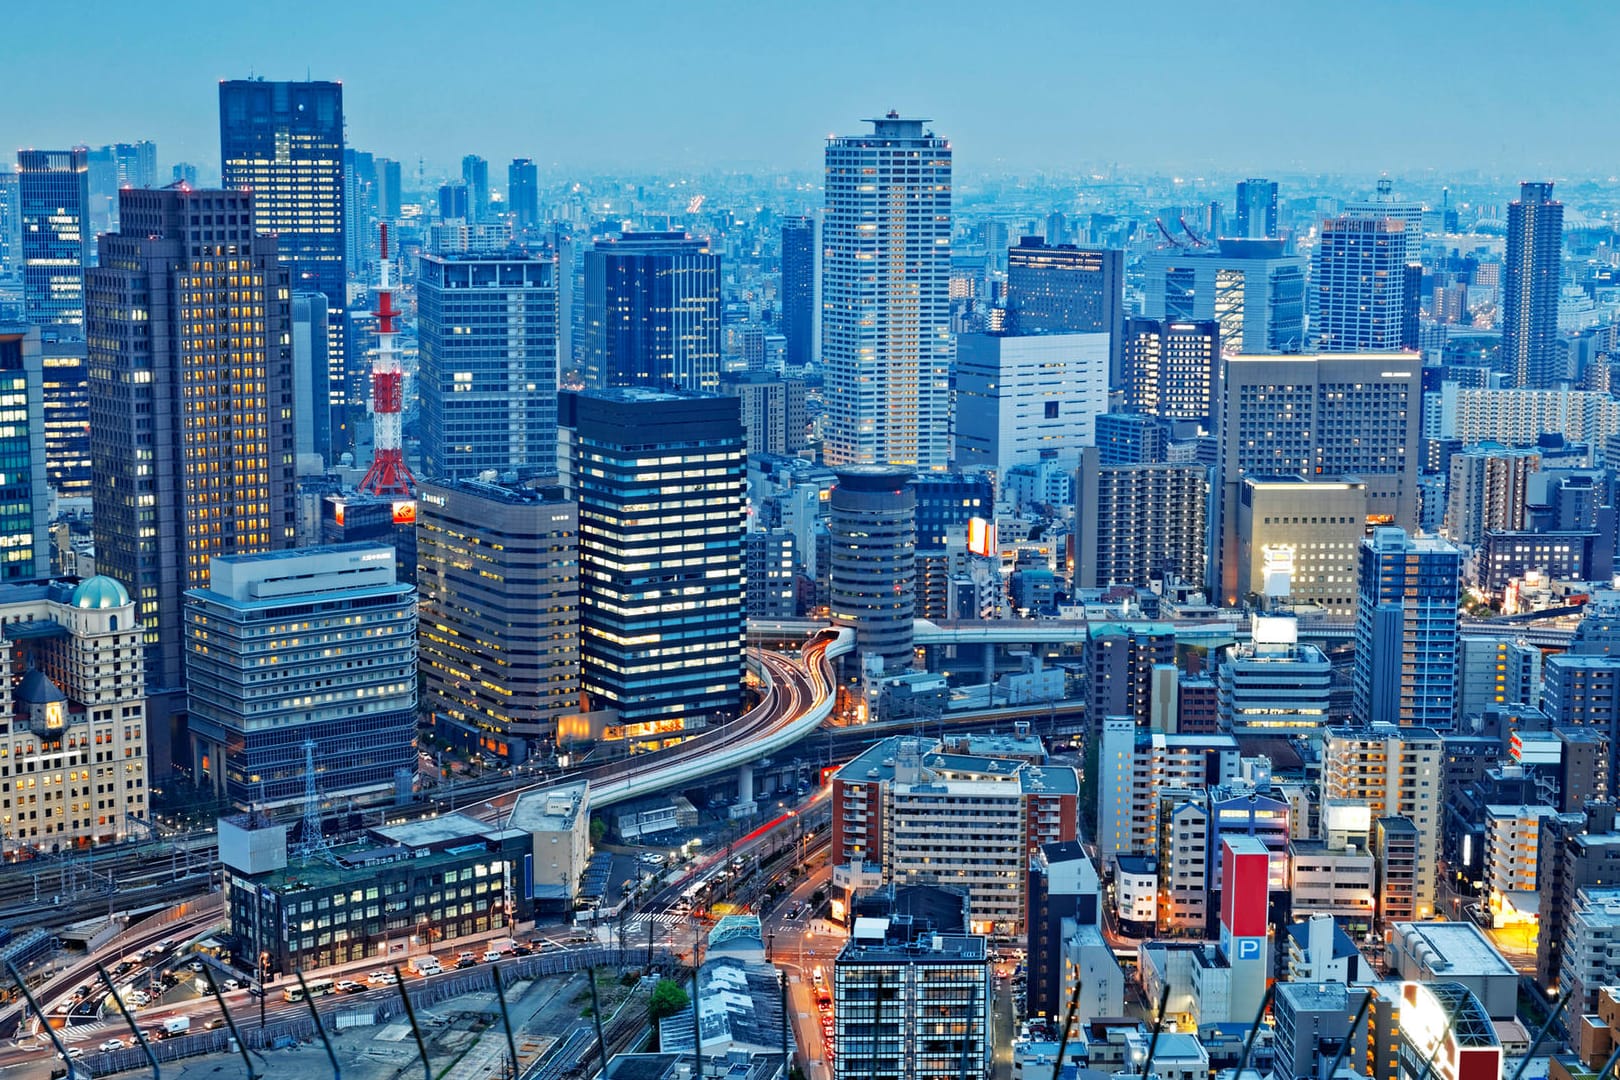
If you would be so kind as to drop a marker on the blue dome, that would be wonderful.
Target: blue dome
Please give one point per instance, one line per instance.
(99, 593)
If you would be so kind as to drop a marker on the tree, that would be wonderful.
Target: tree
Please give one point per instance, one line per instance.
(598, 830)
(668, 998)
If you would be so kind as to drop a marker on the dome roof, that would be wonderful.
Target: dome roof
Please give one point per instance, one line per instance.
(99, 592)
(37, 689)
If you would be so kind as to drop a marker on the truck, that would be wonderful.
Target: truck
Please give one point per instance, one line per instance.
(426, 965)
(174, 1025)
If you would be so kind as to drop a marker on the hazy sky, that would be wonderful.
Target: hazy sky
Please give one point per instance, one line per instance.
(1230, 85)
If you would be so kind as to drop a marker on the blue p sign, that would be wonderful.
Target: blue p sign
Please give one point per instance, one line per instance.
(1250, 948)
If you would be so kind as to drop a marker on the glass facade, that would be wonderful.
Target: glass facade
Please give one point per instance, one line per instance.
(53, 188)
(23, 550)
(652, 313)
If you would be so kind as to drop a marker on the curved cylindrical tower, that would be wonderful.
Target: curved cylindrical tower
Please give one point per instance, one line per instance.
(872, 520)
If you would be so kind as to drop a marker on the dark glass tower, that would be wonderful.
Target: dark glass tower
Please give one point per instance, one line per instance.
(192, 447)
(24, 552)
(523, 194)
(659, 478)
(799, 289)
(53, 191)
(283, 141)
(1063, 289)
(652, 313)
(1530, 280)
(1256, 217)
(475, 174)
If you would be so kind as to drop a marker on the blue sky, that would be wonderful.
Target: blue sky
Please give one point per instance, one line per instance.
(1239, 85)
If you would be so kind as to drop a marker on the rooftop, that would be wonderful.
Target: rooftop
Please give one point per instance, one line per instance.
(555, 809)
(1454, 948)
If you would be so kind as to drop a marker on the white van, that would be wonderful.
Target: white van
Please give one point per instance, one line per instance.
(426, 965)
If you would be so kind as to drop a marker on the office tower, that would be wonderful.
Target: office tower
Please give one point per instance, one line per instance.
(1357, 277)
(1488, 489)
(1530, 282)
(487, 366)
(1317, 418)
(1129, 438)
(192, 457)
(1273, 683)
(360, 211)
(283, 141)
(973, 817)
(1406, 630)
(1138, 524)
(65, 408)
(1582, 690)
(312, 377)
(389, 188)
(345, 680)
(53, 193)
(1120, 662)
(523, 194)
(183, 172)
(72, 716)
(475, 174)
(946, 501)
(1021, 400)
(1171, 369)
(799, 310)
(652, 313)
(498, 575)
(1055, 288)
(660, 478)
(10, 226)
(885, 326)
(1411, 304)
(1495, 672)
(1251, 288)
(453, 202)
(1297, 542)
(1256, 217)
(1395, 771)
(872, 524)
(24, 497)
(771, 575)
(773, 412)
(911, 1002)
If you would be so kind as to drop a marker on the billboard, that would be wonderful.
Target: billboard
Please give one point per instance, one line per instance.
(981, 538)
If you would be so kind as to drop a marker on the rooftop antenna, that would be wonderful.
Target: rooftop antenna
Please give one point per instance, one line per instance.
(389, 475)
(312, 844)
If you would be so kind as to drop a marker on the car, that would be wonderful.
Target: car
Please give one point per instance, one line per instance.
(215, 1024)
(110, 1045)
(522, 950)
(466, 962)
(196, 965)
(465, 956)
(82, 991)
(491, 955)
(349, 986)
(382, 978)
(75, 1052)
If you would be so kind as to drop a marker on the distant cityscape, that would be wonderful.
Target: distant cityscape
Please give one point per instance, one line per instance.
(841, 626)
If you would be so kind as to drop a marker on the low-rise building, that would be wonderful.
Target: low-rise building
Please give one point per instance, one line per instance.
(559, 821)
(1438, 952)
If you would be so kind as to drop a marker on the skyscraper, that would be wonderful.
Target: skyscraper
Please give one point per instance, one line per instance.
(872, 523)
(659, 477)
(652, 313)
(487, 331)
(53, 191)
(1251, 287)
(1021, 400)
(1062, 289)
(885, 339)
(1172, 370)
(10, 226)
(1256, 217)
(475, 174)
(24, 500)
(1530, 281)
(1136, 524)
(1359, 279)
(453, 202)
(523, 194)
(192, 451)
(66, 408)
(799, 312)
(1406, 630)
(283, 141)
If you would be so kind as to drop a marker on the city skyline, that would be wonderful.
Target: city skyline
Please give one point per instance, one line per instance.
(1127, 96)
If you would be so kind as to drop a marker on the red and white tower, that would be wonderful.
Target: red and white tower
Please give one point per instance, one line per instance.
(388, 476)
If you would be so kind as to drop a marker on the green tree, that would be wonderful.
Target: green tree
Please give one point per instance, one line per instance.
(598, 830)
(668, 998)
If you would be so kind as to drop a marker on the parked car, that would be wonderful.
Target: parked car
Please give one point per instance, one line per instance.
(110, 1045)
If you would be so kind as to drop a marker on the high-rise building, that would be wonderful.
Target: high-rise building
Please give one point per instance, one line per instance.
(1130, 438)
(523, 194)
(313, 392)
(24, 498)
(1495, 672)
(1273, 683)
(10, 227)
(53, 193)
(341, 634)
(389, 188)
(454, 202)
(660, 478)
(498, 575)
(799, 311)
(871, 521)
(283, 141)
(652, 313)
(1358, 280)
(1395, 771)
(1055, 288)
(360, 208)
(771, 574)
(1531, 277)
(1297, 543)
(475, 174)
(1252, 288)
(1488, 490)
(885, 346)
(1137, 524)
(773, 411)
(1318, 418)
(66, 406)
(1406, 630)
(72, 716)
(1024, 399)
(1172, 370)
(1122, 676)
(1256, 214)
(192, 456)
(487, 366)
